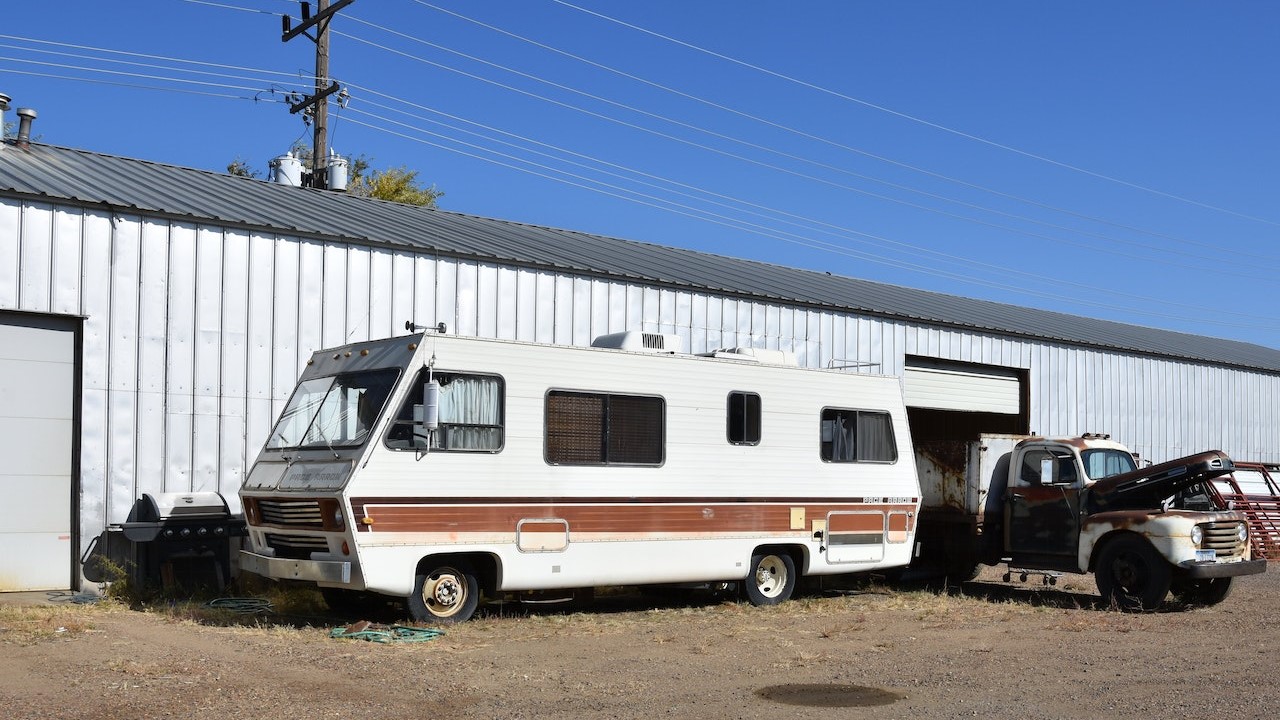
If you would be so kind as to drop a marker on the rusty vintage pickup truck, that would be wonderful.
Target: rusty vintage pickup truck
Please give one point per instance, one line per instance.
(1045, 506)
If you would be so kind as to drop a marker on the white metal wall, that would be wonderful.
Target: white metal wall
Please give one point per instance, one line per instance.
(194, 335)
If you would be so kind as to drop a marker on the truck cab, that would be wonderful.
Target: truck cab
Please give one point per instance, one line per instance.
(1085, 504)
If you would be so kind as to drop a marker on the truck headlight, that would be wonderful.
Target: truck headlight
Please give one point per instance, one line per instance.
(1243, 533)
(1197, 535)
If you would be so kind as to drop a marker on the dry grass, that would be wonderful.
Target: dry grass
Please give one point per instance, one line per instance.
(31, 624)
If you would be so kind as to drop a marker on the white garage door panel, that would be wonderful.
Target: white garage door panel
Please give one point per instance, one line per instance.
(37, 420)
(30, 389)
(35, 447)
(945, 389)
(27, 509)
(27, 563)
(36, 344)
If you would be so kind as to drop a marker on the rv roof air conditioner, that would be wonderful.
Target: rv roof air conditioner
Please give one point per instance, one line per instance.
(639, 342)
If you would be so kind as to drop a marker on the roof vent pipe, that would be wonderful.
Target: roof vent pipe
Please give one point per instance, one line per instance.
(25, 116)
(4, 108)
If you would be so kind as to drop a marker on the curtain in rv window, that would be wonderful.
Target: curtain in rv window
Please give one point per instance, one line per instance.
(857, 436)
(470, 416)
(603, 429)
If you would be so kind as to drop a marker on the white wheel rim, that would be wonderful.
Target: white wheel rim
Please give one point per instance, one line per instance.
(444, 594)
(771, 576)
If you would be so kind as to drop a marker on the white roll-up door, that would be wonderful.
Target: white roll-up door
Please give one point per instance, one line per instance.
(37, 419)
(944, 385)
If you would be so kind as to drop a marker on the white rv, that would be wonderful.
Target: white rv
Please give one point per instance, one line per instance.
(436, 468)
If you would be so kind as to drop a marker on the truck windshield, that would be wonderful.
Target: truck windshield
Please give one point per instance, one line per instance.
(1103, 463)
(334, 411)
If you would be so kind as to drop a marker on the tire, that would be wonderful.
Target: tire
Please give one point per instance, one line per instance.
(1132, 576)
(445, 594)
(772, 579)
(1205, 593)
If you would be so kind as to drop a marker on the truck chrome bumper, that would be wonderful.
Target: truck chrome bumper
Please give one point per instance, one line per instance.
(328, 571)
(1203, 570)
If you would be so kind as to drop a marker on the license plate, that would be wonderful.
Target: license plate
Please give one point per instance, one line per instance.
(1206, 555)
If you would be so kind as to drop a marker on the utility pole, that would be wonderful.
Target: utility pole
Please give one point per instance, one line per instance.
(324, 87)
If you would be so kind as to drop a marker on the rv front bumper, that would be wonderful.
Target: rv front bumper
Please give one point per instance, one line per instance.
(323, 571)
(1204, 570)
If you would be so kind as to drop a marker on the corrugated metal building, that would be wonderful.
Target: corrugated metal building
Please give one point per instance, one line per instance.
(153, 320)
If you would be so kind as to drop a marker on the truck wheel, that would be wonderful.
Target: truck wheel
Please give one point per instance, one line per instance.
(445, 594)
(1210, 591)
(1132, 576)
(772, 578)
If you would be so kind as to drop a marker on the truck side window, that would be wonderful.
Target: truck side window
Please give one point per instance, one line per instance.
(857, 436)
(471, 419)
(604, 429)
(1063, 468)
(744, 418)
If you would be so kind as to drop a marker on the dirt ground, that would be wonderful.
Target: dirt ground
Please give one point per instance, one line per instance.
(991, 649)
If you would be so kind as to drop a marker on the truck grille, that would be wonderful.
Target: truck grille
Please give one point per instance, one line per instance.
(1223, 538)
(296, 547)
(292, 513)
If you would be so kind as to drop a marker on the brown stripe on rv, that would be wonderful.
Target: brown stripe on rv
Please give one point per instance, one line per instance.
(607, 518)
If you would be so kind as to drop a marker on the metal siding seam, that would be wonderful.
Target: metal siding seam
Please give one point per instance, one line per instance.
(123, 383)
(151, 441)
(12, 216)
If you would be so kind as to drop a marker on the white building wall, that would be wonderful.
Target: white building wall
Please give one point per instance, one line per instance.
(194, 334)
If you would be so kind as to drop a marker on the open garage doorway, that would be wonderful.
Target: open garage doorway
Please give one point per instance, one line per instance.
(950, 401)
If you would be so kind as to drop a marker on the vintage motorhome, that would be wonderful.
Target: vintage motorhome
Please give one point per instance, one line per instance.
(435, 468)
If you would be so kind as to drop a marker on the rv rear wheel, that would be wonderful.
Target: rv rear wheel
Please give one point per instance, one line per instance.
(445, 594)
(772, 578)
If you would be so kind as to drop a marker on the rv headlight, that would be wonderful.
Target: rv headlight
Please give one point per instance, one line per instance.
(1243, 533)
(337, 517)
(1197, 535)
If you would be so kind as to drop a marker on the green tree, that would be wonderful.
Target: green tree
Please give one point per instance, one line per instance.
(240, 168)
(397, 184)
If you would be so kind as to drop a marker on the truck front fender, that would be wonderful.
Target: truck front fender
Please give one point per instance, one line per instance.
(1169, 532)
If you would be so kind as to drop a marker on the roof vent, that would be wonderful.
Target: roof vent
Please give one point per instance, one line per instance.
(760, 355)
(4, 108)
(286, 170)
(639, 342)
(25, 117)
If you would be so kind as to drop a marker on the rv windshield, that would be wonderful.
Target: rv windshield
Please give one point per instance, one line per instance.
(1104, 463)
(334, 411)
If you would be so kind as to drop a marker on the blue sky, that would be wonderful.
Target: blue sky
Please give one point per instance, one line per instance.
(1115, 160)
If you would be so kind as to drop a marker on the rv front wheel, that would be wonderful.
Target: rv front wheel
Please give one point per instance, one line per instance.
(772, 578)
(445, 594)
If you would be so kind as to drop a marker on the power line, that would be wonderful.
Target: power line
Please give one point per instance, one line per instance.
(771, 166)
(914, 119)
(843, 146)
(617, 191)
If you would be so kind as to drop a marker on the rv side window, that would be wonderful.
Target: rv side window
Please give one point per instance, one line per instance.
(857, 436)
(744, 418)
(471, 418)
(603, 429)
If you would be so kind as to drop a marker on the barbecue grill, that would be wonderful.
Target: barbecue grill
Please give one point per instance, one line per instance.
(181, 540)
